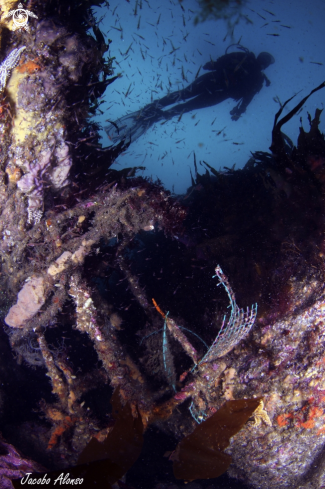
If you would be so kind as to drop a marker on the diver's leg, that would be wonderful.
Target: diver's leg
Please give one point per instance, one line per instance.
(205, 83)
(203, 92)
(199, 102)
(169, 99)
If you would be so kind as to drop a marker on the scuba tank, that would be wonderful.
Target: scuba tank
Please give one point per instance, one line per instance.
(233, 66)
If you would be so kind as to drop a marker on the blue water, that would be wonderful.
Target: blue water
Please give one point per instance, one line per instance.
(159, 150)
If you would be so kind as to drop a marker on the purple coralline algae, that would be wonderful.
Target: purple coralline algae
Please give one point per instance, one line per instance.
(14, 466)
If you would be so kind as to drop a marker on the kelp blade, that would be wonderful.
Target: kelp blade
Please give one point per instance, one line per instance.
(200, 455)
(121, 447)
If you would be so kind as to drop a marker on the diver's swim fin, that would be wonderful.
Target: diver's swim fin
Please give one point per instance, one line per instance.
(131, 126)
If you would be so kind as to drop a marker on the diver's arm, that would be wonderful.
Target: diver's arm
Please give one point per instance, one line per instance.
(267, 81)
(241, 107)
(248, 96)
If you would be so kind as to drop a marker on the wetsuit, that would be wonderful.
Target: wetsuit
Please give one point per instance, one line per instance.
(236, 75)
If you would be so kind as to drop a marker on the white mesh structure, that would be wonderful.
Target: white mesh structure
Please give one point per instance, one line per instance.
(238, 326)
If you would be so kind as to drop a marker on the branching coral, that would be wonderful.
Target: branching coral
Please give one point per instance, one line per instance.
(40, 300)
(121, 370)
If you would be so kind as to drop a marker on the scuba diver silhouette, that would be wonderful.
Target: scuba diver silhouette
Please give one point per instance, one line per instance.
(236, 75)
